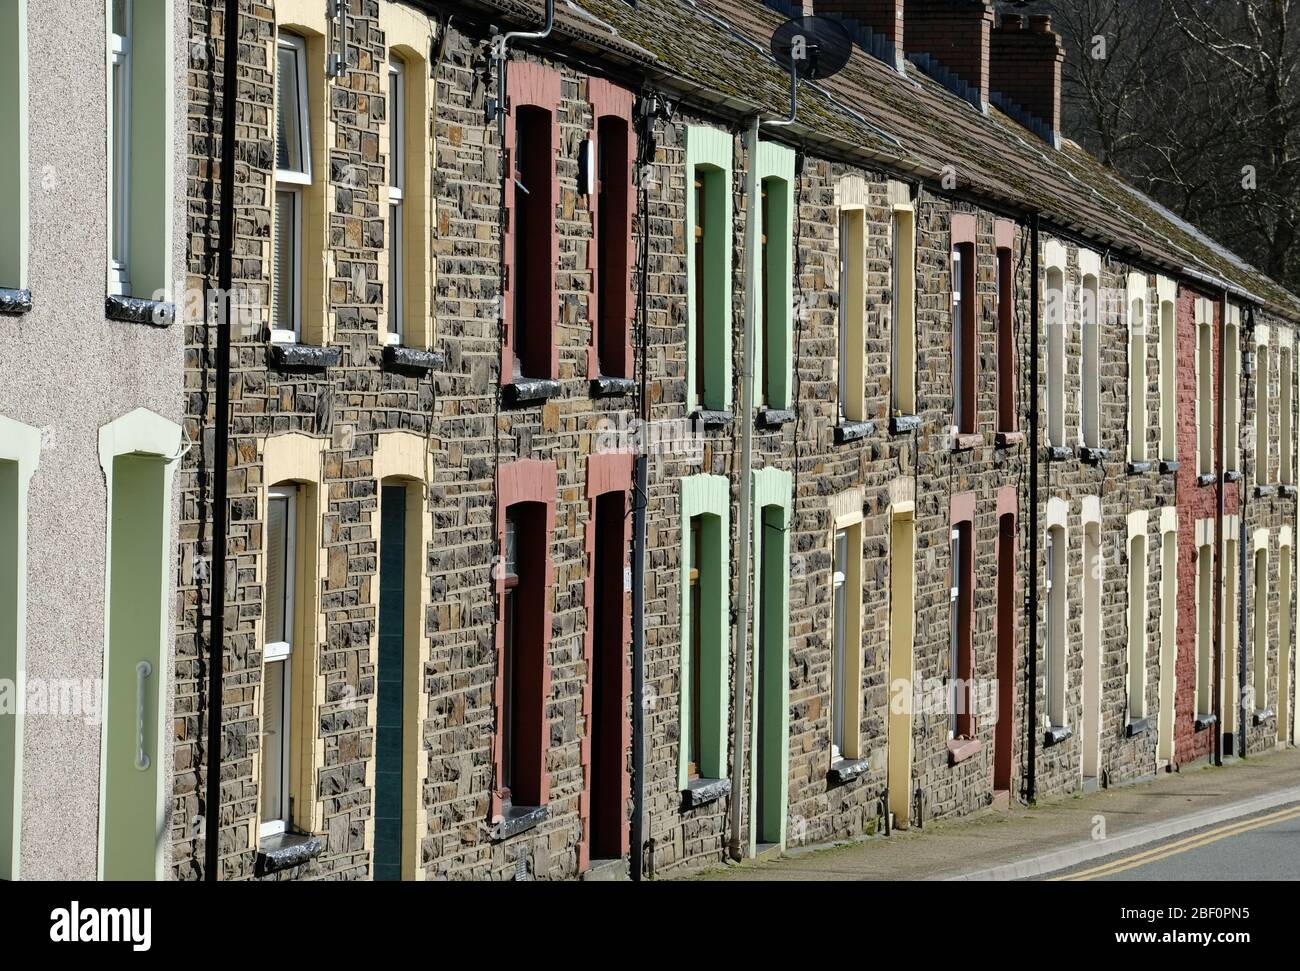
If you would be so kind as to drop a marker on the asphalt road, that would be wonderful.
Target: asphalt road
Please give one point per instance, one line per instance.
(1265, 846)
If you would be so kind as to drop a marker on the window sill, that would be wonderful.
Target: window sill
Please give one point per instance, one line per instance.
(517, 819)
(1059, 453)
(522, 392)
(1137, 727)
(1137, 468)
(701, 792)
(607, 387)
(713, 419)
(961, 749)
(1206, 479)
(1265, 491)
(1056, 735)
(967, 441)
(1168, 467)
(1232, 475)
(1286, 491)
(132, 310)
(400, 358)
(285, 850)
(306, 356)
(15, 303)
(853, 431)
(1204, 721)
(773, 418)
(902, 424)
(846, 770)
(1008, 439)
(1092, 455)
(1264, 717)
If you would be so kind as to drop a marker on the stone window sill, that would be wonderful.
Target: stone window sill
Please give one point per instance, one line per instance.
(132, 310)
(522, 392)
(516, 820)
(711, 418)
(701, 792)
(1056, 735)
(961, 749)
(1008, 439)
(306, 356)
(1059, 453)
(852, 431)
(902, 424)
(1265, 491)
(1264, 717)
(1206, 479)
(1139, 726)
(1204, 721)
(846, 770)
(772, 418)
(605, 386)
(285, 850)
(1092, 455)
(1137, 468)
(400, 358)
(1168, 467)
(1286, 491)
(1232, 475)
(14, 303)
(967, 441)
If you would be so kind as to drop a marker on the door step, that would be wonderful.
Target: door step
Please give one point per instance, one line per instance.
(1090, 783)
(767, 851)
(607, 871)
(1001, 799)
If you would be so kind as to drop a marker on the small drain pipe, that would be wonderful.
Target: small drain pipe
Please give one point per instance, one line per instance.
(746, 417)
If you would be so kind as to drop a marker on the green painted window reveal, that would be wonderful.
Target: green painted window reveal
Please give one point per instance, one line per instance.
(389, 708)
(19, 451)
(141, 108)
(132, 810)
(775, 274)
(13, 146)
(708, 268)
(769, 753)
(706, 584)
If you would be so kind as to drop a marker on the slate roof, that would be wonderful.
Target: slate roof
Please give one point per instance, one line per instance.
(714, 54)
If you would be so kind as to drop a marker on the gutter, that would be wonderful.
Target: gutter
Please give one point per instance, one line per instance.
(221, 446)
(746, 415)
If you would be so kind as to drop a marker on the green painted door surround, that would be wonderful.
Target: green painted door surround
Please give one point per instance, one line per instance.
(138, 454)
(20, 451)
(13, 146)
(707, 496)
(709, 158)
(776, 177)
(769, 752)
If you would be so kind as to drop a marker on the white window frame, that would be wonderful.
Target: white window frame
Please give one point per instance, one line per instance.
(119, 131)
(958, 325)
(293, 182)
(281, 652)
(902, 271)
(396, 196)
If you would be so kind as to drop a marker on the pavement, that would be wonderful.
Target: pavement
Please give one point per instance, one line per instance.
(1076, 832)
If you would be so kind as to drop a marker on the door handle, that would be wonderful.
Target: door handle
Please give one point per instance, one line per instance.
(142, 671)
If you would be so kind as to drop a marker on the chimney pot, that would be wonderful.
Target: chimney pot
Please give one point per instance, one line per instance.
(1012, 21)
(1040, 23)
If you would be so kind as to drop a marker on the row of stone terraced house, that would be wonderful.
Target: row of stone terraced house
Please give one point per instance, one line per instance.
(615, 481)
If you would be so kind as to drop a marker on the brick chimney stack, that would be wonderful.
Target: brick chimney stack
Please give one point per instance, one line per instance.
(884, 17)
(1026, 67)
(956, 33)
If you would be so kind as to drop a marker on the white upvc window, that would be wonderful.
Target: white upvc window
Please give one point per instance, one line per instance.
(277, 658)
(292, 176)
(396, 194)
(119, 133)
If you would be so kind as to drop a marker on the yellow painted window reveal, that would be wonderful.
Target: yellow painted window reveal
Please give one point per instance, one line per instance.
(1137, 375)
(1204, 387)
(846, 627)
(1232, 390)
(1167, 293)
(903, 345)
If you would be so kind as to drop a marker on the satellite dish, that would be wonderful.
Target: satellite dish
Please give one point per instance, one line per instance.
(810, 48)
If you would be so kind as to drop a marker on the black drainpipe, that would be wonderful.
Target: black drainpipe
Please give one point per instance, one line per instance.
(1033, 514)
(221, 441)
